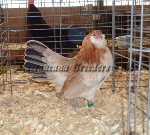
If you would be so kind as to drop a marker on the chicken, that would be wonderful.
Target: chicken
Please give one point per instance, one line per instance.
(37, 27)
(77, 77)
(55, 39)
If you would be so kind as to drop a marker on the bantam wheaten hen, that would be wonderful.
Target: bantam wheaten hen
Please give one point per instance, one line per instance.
(78, 77)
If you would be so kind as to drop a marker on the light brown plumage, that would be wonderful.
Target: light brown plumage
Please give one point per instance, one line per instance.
(82, 77)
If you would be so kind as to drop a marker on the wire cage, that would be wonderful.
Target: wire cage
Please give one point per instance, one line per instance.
(122, 106)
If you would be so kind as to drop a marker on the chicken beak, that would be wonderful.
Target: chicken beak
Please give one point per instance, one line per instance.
(103, 36)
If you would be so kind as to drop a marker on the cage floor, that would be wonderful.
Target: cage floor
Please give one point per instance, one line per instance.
(34, 109)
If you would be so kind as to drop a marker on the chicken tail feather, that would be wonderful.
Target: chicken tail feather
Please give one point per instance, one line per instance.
(33, 60)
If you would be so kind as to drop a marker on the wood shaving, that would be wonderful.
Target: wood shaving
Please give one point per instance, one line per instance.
(34, 108)
(14, 46)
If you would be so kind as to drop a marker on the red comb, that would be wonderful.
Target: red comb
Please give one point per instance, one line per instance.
(31, 1)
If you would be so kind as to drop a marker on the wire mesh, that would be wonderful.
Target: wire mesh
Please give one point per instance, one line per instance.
(61, 16)
(134, 44)
(126, 24)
